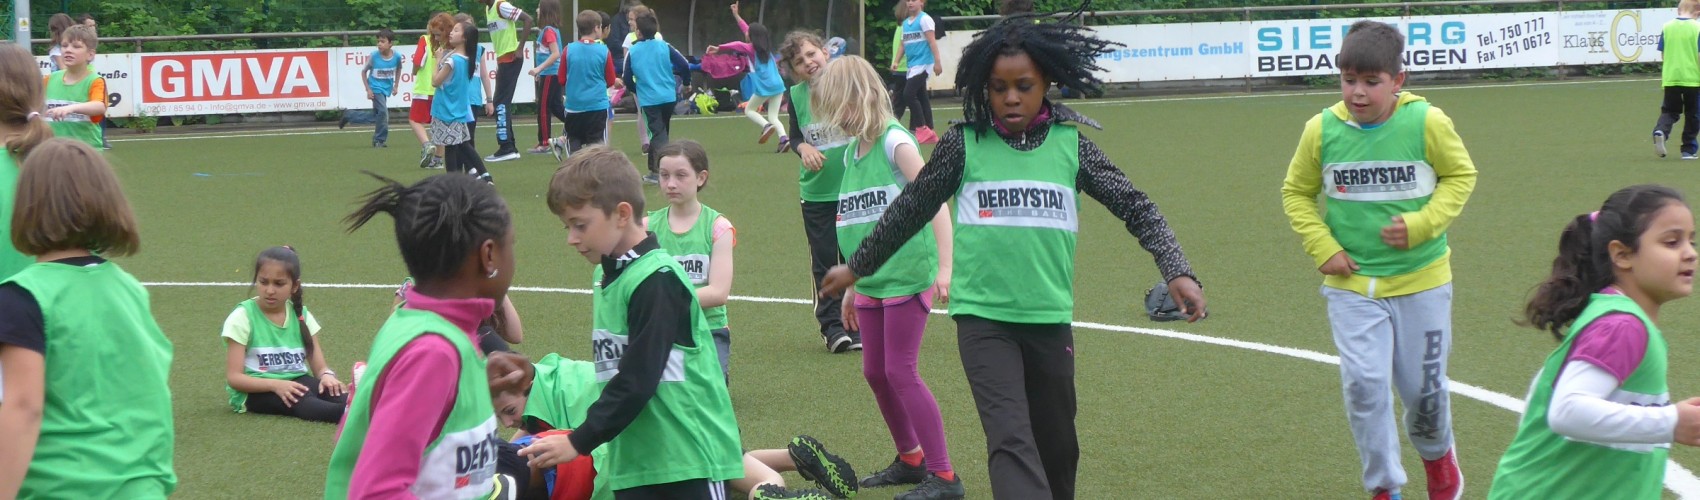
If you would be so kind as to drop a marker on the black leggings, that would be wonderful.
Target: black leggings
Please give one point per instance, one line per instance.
(915, 95)
(462, 158)
(314, 406)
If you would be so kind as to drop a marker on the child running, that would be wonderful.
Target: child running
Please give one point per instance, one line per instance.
(22, 128)
(767, 89)
(1679, 72)
(890, 306)
(553, 396)
(451, 109)
(76, 95)
(273, 363)
(697, 236)
(654, 368)
(1017, 348)
(1396, 175)
(919, 51)
(420, 423)
(821, 146)
(546, 60)
(1600, 422)
(93, 420)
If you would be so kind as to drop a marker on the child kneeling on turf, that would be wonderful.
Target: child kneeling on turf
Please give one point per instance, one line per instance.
(655, 360)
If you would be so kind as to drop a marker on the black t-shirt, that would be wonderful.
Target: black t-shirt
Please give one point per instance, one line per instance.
(21, 322)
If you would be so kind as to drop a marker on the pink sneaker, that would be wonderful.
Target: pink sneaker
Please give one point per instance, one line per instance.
(1445, 481)
(926, 135)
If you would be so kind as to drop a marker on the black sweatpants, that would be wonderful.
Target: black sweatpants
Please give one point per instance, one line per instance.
(1022, 377)
(584, 129)
(694, 489)
(313, 406)
(820, 226)
(894, 86)
(1685, 100)
(659, 119)
(549, 96)
(507, 75)
(920, 105)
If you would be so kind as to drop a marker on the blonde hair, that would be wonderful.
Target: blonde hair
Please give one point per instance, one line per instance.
(70, 199)
(21, 97)
(1688, 6)
(850, 95)
(82, 34)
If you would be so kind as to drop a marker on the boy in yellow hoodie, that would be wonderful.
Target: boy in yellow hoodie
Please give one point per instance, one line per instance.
(1396, 175)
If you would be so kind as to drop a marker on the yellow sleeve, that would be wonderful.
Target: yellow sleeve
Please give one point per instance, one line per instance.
(1298, 195)
(1457, 179)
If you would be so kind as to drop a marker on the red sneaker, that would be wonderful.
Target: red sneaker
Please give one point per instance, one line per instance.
(1385, 495)
(926, 135)
(1445, 481)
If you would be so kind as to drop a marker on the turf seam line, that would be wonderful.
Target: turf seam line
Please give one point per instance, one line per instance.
(1075, 104)
(1678, 479)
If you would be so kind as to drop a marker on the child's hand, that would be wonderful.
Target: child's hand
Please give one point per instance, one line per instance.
(58, 113)
(836, 281)
(489, 109)
(1190, 297)
(938, 69)
(369, 95)
(330, 386)
(714, 49)
(549, 451)
(848, 311)
(1338, 265)
(735, 9)
(288, 391)
(1687, 422)
(535, 71)
(1395, 235)
(812, 159)
(941, 286)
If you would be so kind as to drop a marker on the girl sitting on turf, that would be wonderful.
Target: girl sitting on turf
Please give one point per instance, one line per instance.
(1600, 421)
(273, 364)
(93, 419)
(423, 404)
(697, 236)
(890, 306)
(1013, 321)
(553, 395)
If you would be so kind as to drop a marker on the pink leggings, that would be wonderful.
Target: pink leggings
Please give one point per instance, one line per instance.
(891, 347)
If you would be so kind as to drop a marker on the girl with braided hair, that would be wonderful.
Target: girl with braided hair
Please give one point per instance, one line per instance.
(1015, 169)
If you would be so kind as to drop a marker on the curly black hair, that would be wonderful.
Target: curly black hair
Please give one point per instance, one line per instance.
(439, 221)
(1065, 51)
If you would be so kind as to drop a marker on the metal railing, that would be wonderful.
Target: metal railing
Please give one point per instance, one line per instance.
(1247, 11)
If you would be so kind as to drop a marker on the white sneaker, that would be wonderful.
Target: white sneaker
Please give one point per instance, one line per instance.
(557, 147)
(1659, 143)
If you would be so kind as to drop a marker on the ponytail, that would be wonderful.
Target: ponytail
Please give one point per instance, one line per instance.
(1584, 263)
(35, 131)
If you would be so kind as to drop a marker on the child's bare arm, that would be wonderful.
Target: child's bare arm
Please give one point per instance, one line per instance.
(20, 417)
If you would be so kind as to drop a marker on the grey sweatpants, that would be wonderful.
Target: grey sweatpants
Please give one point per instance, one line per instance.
(1395, 343)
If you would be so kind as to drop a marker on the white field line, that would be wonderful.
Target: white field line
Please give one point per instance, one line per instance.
(1677, 478)
(1085, 103)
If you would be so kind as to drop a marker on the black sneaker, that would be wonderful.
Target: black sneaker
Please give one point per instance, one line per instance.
(935, 488)
(772, 491)
(896, 473)
(652, 179)
(838, 342)
(829, 471)
(343, 121)
(855, 340)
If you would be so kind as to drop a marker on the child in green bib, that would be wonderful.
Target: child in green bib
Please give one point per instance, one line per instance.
(554, 395)
(820, 146)
(890, 307)
(1679, 74)
(1016, 169)
(1600, 422)
(273, 363)
(21, 128)
(420, 422)
(697, 236)
(654, 356)
(496, 333)
(94, 418)
(76, 95)
(1392, 175)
